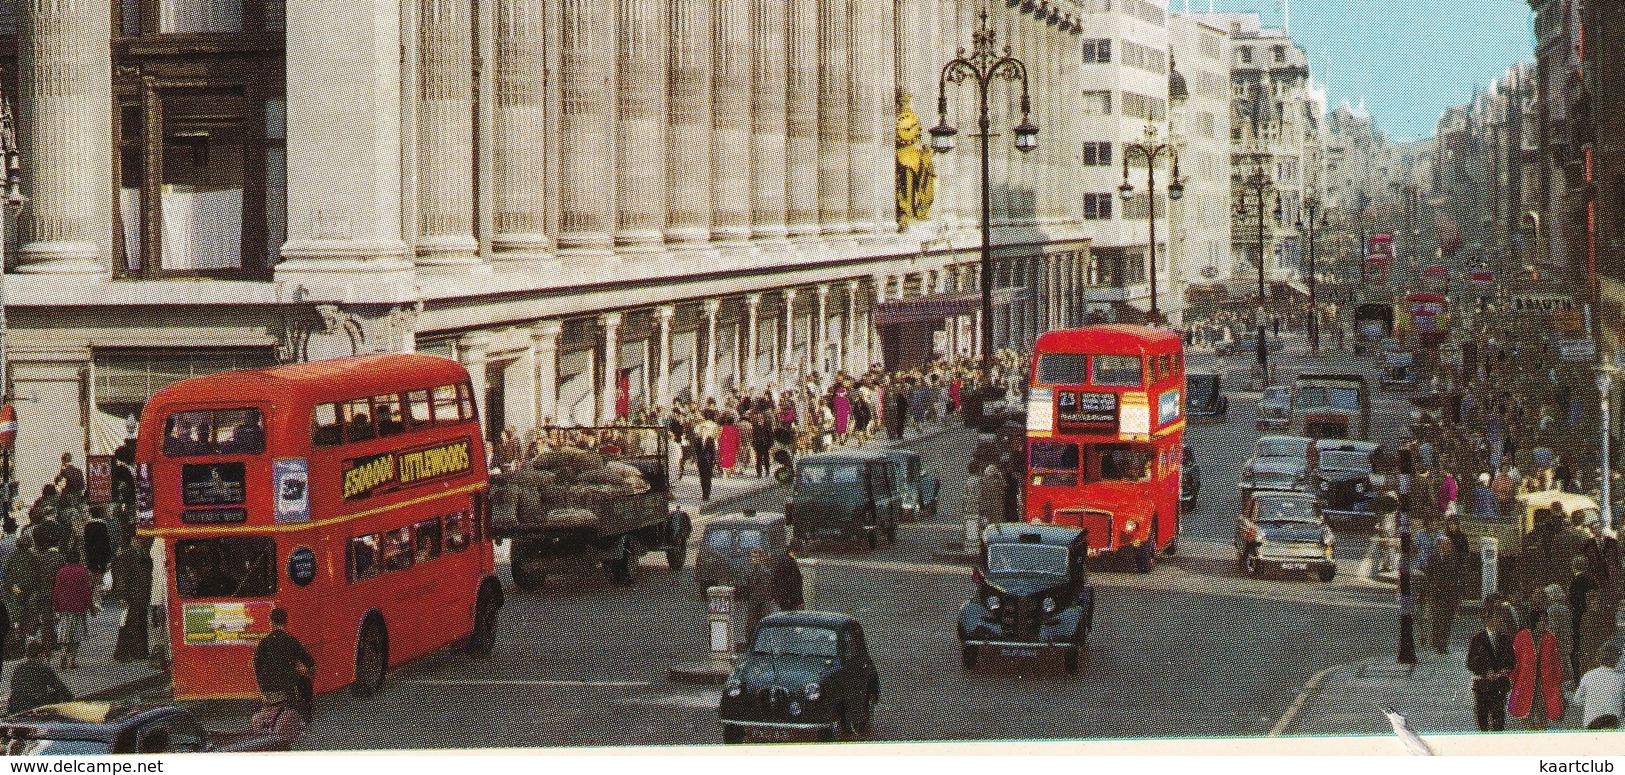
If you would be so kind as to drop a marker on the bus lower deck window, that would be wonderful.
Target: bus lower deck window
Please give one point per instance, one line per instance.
(236, 567)
(459, 531)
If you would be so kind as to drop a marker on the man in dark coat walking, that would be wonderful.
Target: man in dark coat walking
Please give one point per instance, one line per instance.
(281, 664)
(1490, 660)
(132, 584)
(787, 583)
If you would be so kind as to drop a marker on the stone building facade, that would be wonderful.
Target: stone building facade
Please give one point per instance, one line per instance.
(670, 199)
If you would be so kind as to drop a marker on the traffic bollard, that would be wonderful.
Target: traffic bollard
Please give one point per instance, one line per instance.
(1490, 549)
(809, 582)
(973, 533)
(720, 621)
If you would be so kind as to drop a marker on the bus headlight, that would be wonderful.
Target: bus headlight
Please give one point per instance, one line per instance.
(1048, 605)
(1130, 526)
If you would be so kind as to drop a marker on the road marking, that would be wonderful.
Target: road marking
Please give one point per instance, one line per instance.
(700, 700)
(478, 682)
(1296, 707)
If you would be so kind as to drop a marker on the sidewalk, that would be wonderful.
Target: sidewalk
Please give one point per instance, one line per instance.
(98, 676)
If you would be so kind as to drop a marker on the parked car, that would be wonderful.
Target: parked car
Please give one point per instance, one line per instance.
(724, 556)
(807, 672)
(1284, 531)
(1204, 397)
(1032, 594)
(845, 495)
(1278, 463)
(1247, 344)
(1275, 408)
(919, 489)
(1346, 474)
(1190, 481)
(96, 728)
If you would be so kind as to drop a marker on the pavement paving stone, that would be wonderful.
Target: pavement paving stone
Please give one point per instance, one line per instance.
(99, 676)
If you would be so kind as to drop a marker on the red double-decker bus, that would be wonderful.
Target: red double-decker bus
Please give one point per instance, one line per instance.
(1105, 424)
(350, 492)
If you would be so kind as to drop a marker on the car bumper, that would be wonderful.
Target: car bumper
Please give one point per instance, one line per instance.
(1348, 515)
(1266, 423)
(785, 725)
(1295, 564)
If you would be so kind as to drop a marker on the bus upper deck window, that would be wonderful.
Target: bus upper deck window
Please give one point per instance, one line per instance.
(387, 410)
(326, 431)
(357, 420)
(445, 404)
(465, 400)
(187, 434)
(422, 412)
(1061, 368)
(1115, 371)
(397, 549)
(239, 432)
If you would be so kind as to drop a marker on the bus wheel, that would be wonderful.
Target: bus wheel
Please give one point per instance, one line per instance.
(371, 657)
(484, 638)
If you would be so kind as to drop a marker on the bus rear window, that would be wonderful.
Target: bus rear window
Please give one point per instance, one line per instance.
(237, 567)
(1061, 368)
(1116, 371)
(214, 432)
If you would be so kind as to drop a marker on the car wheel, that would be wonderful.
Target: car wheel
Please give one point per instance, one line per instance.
(1251, 565)
(891, 533)
(1072, 660)
(733, 734)
(872, 535)
(967, 656)
(1327, 573)
(371, 659)
(484, 638)
(827, 734)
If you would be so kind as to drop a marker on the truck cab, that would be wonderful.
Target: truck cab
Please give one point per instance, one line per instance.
(1331, 406)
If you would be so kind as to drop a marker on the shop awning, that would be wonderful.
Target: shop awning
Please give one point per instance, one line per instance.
(941, 306)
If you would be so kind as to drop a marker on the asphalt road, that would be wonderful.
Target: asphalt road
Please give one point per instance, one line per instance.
(1190, 650)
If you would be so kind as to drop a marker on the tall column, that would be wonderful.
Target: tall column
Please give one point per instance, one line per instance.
(788, 366)
(688, 139)
(711, 307)
(472, 351)
(663, 315)
(517, 163)
(730, 123)
(849, 359)
(768, 115)
(819, 332)
(801, 121)
(640, 140)
(445, 144)
(65, 102)
(524, 415)
(873, 333)
(343, 229)
(587, 125)
(753, 304)
(872, 201)
(545, 337)
(610, 322)
(834, 109)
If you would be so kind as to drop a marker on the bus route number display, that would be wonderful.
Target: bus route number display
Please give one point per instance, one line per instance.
(1074, 407)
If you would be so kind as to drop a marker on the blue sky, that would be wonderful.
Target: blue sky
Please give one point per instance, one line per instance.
(1409, 59)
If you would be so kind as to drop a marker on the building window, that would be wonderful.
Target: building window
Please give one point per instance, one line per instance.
(1097, 51)
(1280, 53)
(1097, 207)
(1143, 107)
(1097, 154)
(1096, 103)
(1144, 57)
(1211, 45)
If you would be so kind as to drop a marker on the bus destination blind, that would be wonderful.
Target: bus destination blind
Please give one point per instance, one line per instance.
(1076, 407)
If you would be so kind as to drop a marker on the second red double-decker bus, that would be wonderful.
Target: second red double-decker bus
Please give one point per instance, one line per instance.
(1105, 424)
(350, 492)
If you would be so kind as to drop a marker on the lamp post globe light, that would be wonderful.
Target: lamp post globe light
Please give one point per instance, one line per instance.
(983, 64)
(1150, 149)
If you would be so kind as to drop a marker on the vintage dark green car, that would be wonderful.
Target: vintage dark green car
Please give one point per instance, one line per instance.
(845, 495)
(807, 672)
(919, 489)
(1032, 594)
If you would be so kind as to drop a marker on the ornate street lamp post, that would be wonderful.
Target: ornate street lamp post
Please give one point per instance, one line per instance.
(1151, 150)
(981, 66)
(1259, 183)
(1312, 207)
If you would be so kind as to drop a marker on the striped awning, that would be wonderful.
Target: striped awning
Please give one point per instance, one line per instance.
(941, 306)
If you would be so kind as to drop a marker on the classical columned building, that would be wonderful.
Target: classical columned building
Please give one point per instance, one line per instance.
(670, 200)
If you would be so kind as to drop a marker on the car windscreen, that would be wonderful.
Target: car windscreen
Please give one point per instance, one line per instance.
(1281, 448)
(1318, 397)
(1201, 388)
(795, 641)
(1284, 510)
(829, 473)
(1026, 558)
(1345, 461)
(57, 748)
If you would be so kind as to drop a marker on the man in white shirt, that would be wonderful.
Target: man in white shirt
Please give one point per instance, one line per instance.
(1600, 690)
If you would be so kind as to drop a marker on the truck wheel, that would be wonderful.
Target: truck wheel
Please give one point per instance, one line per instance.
(371, 659)
(676, 556)
(1071, 659)
(484, 638)
(527, 580)
(1327, 573)
(967, 656)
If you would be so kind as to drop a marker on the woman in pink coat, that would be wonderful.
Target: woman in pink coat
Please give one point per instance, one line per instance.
(843, 413)
(728, 444)
(1537, 674)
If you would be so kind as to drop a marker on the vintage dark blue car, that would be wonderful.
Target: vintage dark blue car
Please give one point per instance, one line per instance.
(847, 496)
(96, 728)
(807, 673)
(918, 488)
(1032, 594)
